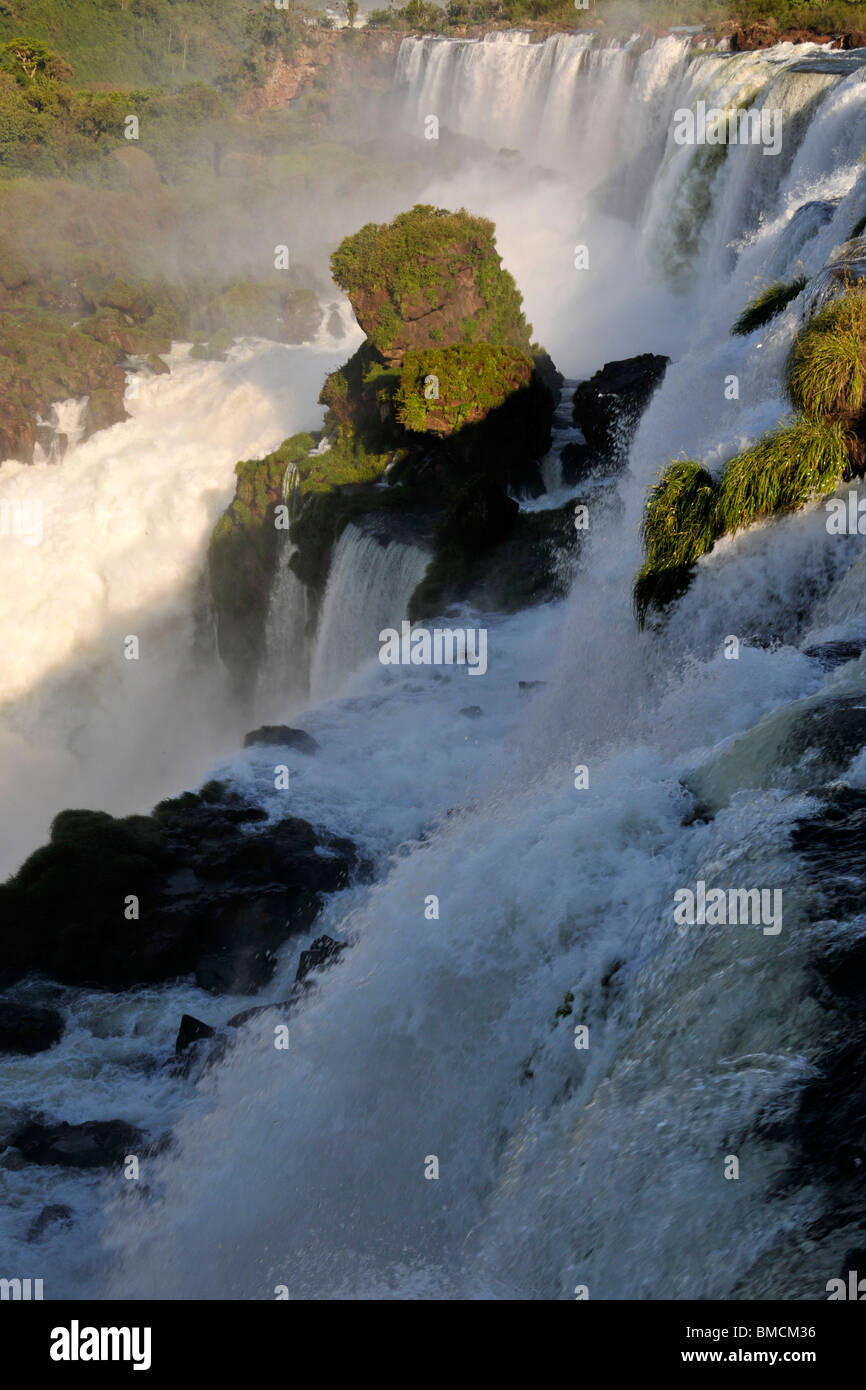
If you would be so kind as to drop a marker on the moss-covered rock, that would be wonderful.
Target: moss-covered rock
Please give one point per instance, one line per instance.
(450, 421)
(429, 279)
(443, 389)
(264, 309)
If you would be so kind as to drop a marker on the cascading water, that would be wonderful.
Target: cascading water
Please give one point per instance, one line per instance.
(453, 1035)
(370, 582)
(123, 529)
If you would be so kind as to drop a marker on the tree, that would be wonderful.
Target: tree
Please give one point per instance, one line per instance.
(351, 7)
(27, 59)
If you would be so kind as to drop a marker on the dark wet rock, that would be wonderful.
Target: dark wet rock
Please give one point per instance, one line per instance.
(217, 893)
(191, 1031)
(832, 654)
(832, 731)
(608, 407)
(324, 951)
(28, 1028)
(799, 747)
(282, 1006)
(281, 736)
(846, 268)
(578, 461)
(94, 1144)
(534, 563)
(472, 712)
(56, 1214)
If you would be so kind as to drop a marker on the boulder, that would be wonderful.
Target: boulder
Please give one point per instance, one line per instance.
(846, 266)
(27, 1028)
(608, 407)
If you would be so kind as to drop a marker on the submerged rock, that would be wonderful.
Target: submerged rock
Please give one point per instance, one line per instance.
(27, 1028)
(94, 1144)
(281, 736)
(832, 654)
(55, 1214)
(324, 951)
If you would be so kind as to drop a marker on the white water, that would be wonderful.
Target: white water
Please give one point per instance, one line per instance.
(369, 586)
(125, 524)
(440, 1037)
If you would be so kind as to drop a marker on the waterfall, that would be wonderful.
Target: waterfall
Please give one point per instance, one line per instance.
(454, 1036)
(119, 551)
(285, 676)
(67, 423)
(371, 579)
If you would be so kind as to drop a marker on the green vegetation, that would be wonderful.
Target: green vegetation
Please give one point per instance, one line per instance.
(680, 524)
(139, 42)
(766, 305)
(443, 389)
(687, 511)
(782, 471)
(459, 16)
(680, 521)
(826, 373)
(430, 278)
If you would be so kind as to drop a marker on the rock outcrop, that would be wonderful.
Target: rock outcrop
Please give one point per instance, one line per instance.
(607, 409)
(201, 886)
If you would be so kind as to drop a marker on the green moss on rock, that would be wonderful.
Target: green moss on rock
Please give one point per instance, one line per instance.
(431, 277)
(443, 389)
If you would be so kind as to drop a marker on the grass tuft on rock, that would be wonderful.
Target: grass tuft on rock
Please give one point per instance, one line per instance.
(783, 471)
(826, 369)
(766, 305)
(680, 524)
